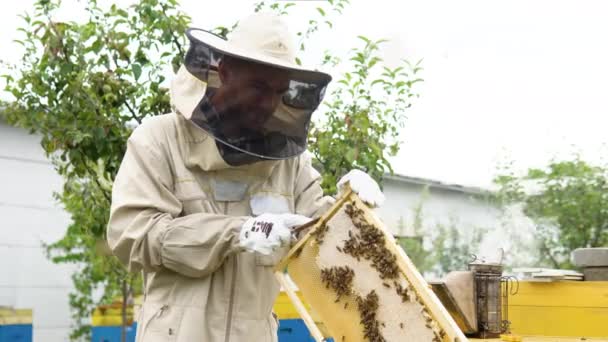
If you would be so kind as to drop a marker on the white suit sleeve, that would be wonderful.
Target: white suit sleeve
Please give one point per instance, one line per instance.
(145, 230)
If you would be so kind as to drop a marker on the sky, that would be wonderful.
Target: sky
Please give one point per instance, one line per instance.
(521, 81)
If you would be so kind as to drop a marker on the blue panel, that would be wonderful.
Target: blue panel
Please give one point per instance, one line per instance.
(112, 333)
(290, 330)
(294, 330)
(16, 333)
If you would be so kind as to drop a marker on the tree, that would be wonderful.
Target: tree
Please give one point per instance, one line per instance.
(83, 86)
(567, 201)
(359, 128)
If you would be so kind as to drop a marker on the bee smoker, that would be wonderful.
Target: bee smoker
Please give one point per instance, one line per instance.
(488, 298)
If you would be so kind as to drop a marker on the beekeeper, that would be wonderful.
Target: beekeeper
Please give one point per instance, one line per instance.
(205, 196)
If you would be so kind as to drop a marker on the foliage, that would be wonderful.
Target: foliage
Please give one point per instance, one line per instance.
(568, 202)
(453, 249)
(414, 245)
(82, 86)
(362, 117)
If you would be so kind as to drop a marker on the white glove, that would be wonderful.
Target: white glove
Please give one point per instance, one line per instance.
(268, 232)
(364, 185)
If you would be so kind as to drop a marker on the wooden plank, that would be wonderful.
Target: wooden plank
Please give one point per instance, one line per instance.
(300, 308)
(559, 321)
(449, 302)
(591, 294)
(545, 339)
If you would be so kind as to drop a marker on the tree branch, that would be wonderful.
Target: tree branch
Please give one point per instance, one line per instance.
(173, 37)
(548, 254)
(133, 115)
(92, 173)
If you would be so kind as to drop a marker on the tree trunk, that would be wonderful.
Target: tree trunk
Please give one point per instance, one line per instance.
(125, 295)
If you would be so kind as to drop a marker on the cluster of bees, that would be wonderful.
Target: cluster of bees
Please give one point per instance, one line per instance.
(368, 308)
(402, 292)
(319, 233)
(430, 323)
(368, 242)
(338, 278)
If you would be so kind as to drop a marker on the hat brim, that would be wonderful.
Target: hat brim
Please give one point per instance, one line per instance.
(225, 47)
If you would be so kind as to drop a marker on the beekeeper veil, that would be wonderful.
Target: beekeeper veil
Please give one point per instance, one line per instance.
(248, 92)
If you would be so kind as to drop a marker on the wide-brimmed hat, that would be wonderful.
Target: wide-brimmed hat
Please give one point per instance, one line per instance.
(263, 38)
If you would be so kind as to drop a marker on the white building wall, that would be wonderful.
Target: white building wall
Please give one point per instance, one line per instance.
(468, 208)
(30, 217)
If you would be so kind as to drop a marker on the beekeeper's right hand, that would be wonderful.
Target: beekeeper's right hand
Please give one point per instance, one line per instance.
(269, 232)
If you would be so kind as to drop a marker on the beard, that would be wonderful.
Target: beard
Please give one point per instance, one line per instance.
(236, 123)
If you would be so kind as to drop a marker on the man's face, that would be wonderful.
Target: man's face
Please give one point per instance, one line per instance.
(249, 94)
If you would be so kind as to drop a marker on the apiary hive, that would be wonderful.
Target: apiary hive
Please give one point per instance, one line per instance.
(361, 284)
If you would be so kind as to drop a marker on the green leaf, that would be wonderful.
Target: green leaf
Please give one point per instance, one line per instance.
(320, 10)
(350, 155)
(365, 39)
(122, 13)
(97, 46)
(373, 62)
(536, 173)
(136, 68)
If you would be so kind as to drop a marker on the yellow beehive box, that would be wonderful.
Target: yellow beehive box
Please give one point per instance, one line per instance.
(111, 315)
(10, 316)
(283, 307)
(560, 308)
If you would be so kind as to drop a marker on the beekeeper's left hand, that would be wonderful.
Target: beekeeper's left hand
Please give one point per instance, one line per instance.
(364, 185)
(268, 233)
